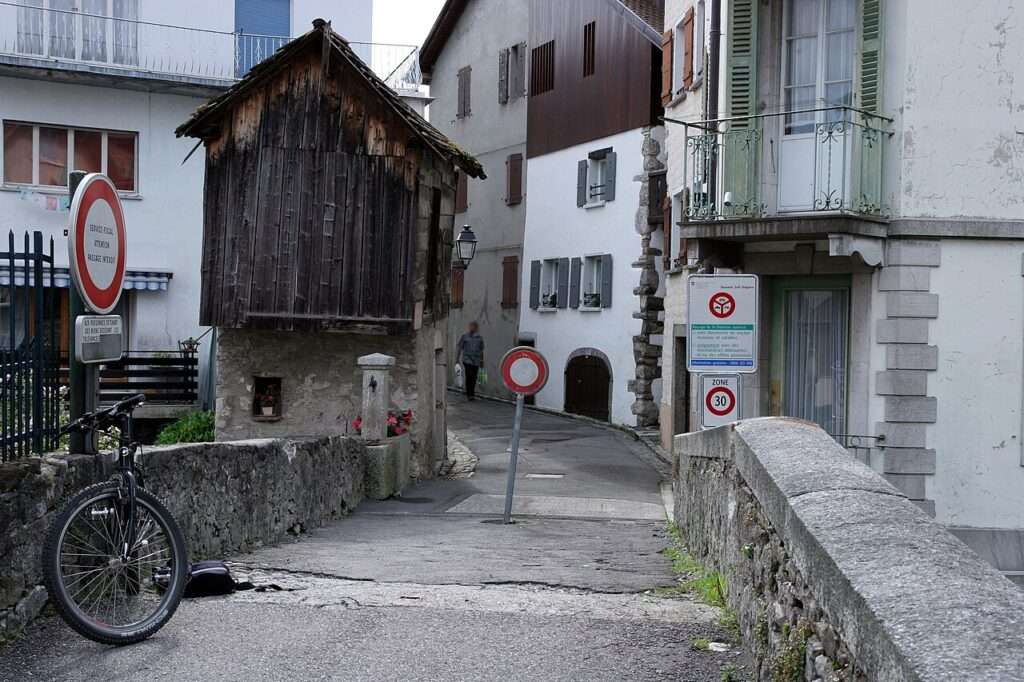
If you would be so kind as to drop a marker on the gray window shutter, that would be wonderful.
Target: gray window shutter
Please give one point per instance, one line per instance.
(574, 283)
(503, 75)
(606, 281)
(581, 183)
(519, 86)
(609, 179)
(563, 283)
(535, 284)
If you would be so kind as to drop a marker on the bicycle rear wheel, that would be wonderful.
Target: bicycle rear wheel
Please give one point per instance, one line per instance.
(95, 590)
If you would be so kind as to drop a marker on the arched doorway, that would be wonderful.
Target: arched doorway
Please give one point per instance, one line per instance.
(588, 383)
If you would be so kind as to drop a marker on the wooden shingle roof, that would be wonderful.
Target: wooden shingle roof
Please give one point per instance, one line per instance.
(206, 120)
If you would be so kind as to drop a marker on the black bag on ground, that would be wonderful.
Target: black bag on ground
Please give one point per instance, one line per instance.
(209, 579)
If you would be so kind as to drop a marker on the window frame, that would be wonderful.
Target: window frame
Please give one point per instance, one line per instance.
(549, 283)
(70, 131)
(698, 43)
(678, 57)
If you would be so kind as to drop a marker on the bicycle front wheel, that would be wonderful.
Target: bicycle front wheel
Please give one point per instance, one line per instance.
(102, 591)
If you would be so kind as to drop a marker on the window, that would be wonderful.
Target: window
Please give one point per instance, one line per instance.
(461, 192)
(589, 48)
(698, 42)
(595, 183)
(463, 110)
(510, 282)
(549, 284)
(542, 68)
(514, 179)
(592, 282)
(511, 73)
(816, 27)
(458, 286)
(66, 29)
(43, 155)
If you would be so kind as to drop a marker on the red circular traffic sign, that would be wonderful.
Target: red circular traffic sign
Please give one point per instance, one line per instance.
(722, 305)
(720, 401)
(524, 370)
(96, 243)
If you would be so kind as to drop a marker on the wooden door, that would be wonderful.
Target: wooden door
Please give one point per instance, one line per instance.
(587, 387)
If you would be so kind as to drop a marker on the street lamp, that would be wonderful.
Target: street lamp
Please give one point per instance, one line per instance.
(465, 246)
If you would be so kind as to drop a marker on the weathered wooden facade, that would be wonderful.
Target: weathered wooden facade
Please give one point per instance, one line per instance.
(328, 208)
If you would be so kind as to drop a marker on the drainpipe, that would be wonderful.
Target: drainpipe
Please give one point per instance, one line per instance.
(714, 64)
(714, 40)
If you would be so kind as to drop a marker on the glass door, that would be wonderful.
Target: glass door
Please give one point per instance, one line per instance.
(811, 350)
(817, 72)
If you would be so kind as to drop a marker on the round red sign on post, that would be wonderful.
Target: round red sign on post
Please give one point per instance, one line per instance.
(524, 370)
(96, 243)
(720, 401)
(722, 305)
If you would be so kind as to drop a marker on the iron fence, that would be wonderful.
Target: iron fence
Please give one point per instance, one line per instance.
(30, 401)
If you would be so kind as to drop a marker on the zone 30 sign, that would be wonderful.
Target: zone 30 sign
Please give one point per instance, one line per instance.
(720, 399)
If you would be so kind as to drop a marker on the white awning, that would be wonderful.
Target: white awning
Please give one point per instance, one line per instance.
(140, 280)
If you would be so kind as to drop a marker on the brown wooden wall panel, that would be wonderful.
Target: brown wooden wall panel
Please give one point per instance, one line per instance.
(312, 207)
(620, 94)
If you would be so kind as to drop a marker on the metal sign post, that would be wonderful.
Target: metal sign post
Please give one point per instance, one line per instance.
(96, 259)
(525, 372)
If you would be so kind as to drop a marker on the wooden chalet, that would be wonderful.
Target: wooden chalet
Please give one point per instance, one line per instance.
(329, 207)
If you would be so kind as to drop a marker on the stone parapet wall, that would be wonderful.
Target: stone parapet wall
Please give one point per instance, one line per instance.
(227, 497)
(833, 573)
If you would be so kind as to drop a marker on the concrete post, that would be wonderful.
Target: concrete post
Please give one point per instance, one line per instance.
(376, 395)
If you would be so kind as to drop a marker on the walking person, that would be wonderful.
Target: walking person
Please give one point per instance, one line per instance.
(471, 355)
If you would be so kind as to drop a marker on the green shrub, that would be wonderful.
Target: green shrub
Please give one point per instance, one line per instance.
(192, 428)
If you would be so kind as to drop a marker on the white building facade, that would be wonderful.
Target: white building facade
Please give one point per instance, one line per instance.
(878, 197)
(100, 86)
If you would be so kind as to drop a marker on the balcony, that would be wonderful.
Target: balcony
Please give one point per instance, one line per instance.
(780, 175)
(75, 46)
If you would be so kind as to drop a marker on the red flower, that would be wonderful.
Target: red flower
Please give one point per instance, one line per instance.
(357, 423)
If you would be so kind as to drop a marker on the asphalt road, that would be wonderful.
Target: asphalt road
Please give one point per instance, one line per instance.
(419, 588)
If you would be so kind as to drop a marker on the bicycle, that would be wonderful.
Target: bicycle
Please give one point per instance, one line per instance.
(115, 562)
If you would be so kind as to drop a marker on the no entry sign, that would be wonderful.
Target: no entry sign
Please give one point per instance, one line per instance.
(96, 243)
(524, 370)
(722, 332)
(720, 399)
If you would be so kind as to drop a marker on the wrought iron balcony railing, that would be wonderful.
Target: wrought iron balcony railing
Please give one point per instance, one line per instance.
(825, 160)
(80, 41)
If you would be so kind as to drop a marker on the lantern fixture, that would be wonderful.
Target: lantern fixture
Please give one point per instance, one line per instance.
(465, 246)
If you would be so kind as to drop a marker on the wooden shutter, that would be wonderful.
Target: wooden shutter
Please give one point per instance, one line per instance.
(688, 49)
(458, 286)
(463, 109)
(666, 68)
(606, 281)
(574, 282)
(503, 76)
(563, 283)
(742, 89)
(609, 177)
(870, 56)
(581, 183)
(510, 282)
(514, 181)
(535, 284)
(461, 192)
(518, 75)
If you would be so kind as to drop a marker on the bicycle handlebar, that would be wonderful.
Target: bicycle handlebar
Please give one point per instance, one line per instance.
(93, 420)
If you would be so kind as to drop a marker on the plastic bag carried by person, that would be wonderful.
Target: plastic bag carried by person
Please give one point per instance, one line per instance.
(459, 379)
(481, 378)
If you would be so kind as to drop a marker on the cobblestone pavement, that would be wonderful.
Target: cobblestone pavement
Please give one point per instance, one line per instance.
(417, 588)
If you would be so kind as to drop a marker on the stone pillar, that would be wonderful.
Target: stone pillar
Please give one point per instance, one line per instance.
(376, 395)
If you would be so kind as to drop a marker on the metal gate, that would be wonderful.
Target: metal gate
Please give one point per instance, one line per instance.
(30, 403)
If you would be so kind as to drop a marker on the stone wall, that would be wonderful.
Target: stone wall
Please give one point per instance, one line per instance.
(227, 497)
(321, 384)
(834, 574)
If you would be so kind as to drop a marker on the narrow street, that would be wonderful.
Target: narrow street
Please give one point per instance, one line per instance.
(427, 586)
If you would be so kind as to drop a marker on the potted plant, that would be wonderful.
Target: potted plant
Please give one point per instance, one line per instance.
(592, 300)
(267, 404)
(549, 300)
